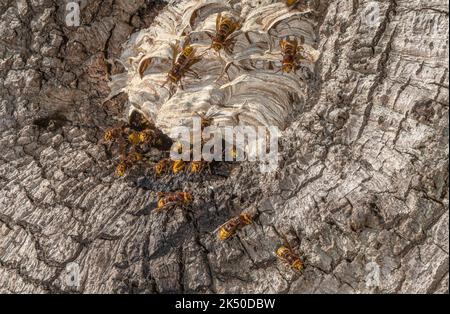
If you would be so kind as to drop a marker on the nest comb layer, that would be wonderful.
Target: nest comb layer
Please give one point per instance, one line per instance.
(253, 92)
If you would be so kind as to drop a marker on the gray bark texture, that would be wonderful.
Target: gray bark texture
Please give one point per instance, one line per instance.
(361, 193)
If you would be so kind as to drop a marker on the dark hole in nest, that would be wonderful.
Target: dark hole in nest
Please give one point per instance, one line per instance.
(53, 122)
(139, 123)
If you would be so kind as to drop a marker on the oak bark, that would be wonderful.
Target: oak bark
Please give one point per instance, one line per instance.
(362, 189)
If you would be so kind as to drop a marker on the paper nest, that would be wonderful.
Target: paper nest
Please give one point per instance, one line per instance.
(258, 94)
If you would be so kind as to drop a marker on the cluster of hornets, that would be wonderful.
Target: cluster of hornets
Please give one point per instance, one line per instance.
(134, 139)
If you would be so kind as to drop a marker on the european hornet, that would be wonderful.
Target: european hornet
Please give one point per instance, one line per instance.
(232, 226)
(149, 136)
(223, 38)
(134, 138)
(289, 50)
(139, 133)
(197, 166)
(182, 61)
(293, 54)
(287, 255)
(117, 135)
(121, 169)
(162, 166)
(127, 162)
(146, 137)
(112, 134)
(142, 132)
(139, 122)
(174, 199)
(178, 166)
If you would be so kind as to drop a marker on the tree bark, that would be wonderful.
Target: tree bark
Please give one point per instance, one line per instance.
(361, 193)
